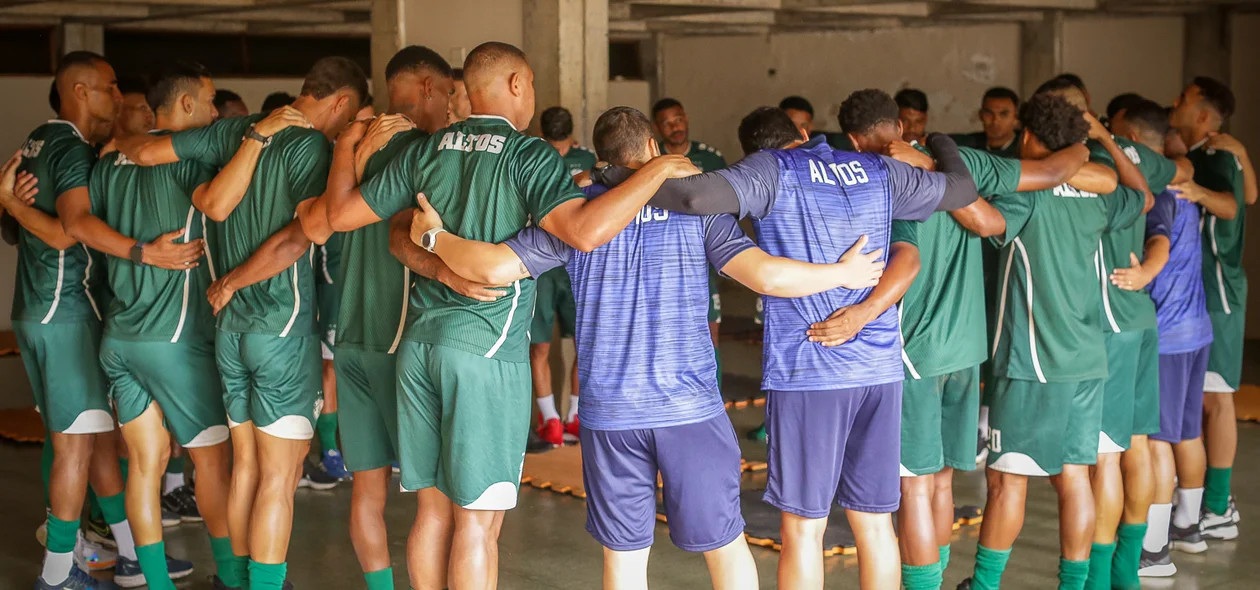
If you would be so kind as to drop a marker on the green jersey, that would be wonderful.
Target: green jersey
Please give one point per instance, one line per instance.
(374, 285)
(294, 167)
(488, 182)
(943, 312)
(150, 303)
(705, 157)
(1224, 279)
(1048, 324)
(980, 141)
(1123, 310)
(56, 286)
(579, 159)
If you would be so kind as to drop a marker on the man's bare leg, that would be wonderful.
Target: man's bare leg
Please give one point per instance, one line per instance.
(1003, 519)
(626, 570)
(367, 518)
(1077, 523)
(879, 565)
(1220, 431)
(429, 544)
(150, 442)
(475, 549)
(800, 561)
(67, 488)
(244, 488)
(731, 566)
(271, 524)
(943, 511)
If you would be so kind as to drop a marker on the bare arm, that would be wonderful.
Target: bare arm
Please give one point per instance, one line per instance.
(845, 323)
(981, 218)
(784, 277)
(1052, 171)
(428, 265)
(480, 262)
(279, 252)
(1128, 172)
(219, 197)
(1095, 178)
(147, 150)
(75, 211)
(1220, 204)
(1185, 170)
(1227, 142)
(1141, 272)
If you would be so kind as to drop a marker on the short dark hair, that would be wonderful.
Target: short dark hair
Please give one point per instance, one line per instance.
(1122, 103)
(413, 58)
(767, 128)
(1217, 94)
(797, 103)
(620, 135)
(1054, 120)
(1072, 79)
(1147, 115)
(865, 109)
(331, 74)
(180, 77)
(664, 103)
(77, 58)
(132, 84)
(1001, 93)
(556, 123)
(276, 100)
(222, 97)
(490, 54)
(457, 74)
(1056, 84)
(54, 97)
(911, 98)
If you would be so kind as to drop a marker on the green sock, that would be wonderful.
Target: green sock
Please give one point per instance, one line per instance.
(326, 428)
(1124, 567)
(380, 579)
(717, 355)
(94, 506)
(45, 466)
(114, 508)
(175, 465)
(921, 577)
(1100, 556)
(989, 567)
(221, 548)
(62, 534)
(152, 560)
(1216, 490)
(267, 576)
(944, 557)
(1072, 574)
(123, 466)
(240, 566)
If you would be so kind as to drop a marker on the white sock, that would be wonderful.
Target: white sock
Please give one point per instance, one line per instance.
(547, 407)
(984, 421)
(57, 567)
(171, 482)
(573, 408)
(1157, 527)
(126, 543)
(1189, 501)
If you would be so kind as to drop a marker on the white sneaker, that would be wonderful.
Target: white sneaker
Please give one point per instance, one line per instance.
(1220, 527)
(93, 556)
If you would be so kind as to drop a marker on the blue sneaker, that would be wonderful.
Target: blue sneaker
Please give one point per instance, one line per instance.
(334, 465)
(128, 575)
(77, 580)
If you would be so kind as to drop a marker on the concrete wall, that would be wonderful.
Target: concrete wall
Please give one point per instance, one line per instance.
(630, 93)
(1245, 58)
(1118, 55)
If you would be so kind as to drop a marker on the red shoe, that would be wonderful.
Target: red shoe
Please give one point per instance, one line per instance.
(572, 430)
(552, 432)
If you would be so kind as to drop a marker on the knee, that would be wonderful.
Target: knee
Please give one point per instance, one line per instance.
(802, 530)
(150, 461)
(918, 487)
(539, 352)
(1004, 484)
(943, 482)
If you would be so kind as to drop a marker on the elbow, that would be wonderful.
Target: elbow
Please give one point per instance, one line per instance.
(1149, 203)
(147, 155)
(1229, 214)
(504, 274)
(340, 221)
(206, 206)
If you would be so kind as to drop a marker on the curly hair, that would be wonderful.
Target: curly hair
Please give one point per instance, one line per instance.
(912, 98)
(1054, 120)
(865, 109)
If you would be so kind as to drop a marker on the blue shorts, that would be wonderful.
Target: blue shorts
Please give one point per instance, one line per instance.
(699, 466)
(841, 446)
(1181, 395)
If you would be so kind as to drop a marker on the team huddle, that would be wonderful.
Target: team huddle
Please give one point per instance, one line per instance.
(182, 284)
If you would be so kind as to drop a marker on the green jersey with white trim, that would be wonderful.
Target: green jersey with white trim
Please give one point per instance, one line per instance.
(488, 181)
(294, 167)
(705, 157)
(1048, 324)
(980, 141)
(374, 284)
(150, 303)
(56, 286)
(579, 159)
(1125, 311)
(1224, 279)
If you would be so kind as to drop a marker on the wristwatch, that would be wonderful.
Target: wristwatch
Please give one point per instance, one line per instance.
(137, 253)
(252, 133)
(429, 239)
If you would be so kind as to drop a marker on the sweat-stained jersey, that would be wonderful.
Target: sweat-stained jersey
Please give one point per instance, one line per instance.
(1223, 241)
(293, 168)
(487, 181)
(644, 353)
(1047, 320)
(812, 203)
(151, 303)
(374, 285)
(55, 286)
(1180, 302)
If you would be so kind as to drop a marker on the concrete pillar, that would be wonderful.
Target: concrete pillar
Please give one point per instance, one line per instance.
(567, 46)
(81, 37)
(1041, 51)
(1207, 44)
(389, 30)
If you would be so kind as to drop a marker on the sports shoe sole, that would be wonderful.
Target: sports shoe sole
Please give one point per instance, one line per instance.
(1228, 532)
(1192, 548)
(1158, 571)
(135, 581)
(191, 519)
(321, 487)
(94, 537)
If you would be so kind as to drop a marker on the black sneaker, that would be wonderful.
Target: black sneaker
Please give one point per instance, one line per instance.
(964, 585)
(535, 444)
(1187, 540)
(183, 503)
(97, 531)
(1156, 565)
(314, 477)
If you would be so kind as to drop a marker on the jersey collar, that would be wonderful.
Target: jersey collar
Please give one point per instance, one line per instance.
(1201, 143)
(504, 119)
(72, 126)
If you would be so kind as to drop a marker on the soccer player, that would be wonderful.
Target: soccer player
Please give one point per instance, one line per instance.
(1076, 82)
(229, 104)
(463, 379)
(670, 417)
(134, 114)
(266, 346)
(326, 261)
(460, 108)
(158, 348)
(1049, 353)
(999, 113)
(801, 112)
(912, 110)
(554, 299)
(1201, 110)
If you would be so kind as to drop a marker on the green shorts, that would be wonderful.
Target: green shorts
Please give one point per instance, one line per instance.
(1224, 372)
(181, 377)
(1131, 392)
(328, 302)
(938, 422)
(554, 300)
(462, 424)
(277, 383)
(64, 368)
(1037, 428)
(368, 406)
(715, 299)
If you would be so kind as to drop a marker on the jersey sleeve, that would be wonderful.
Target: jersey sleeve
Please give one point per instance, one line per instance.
(538, 250)
(723, 239)
(543, 178)
(756, 183)
(994, 175)
(214, 144)
(905, 232)
(71, 162)
(1124, 207)
(308, 160)
(192, 174)
(97, 191)
(1158, 170)
(1016, 209)
(1221, 171)
(1159, 220)
(394, 188)
(915, 192)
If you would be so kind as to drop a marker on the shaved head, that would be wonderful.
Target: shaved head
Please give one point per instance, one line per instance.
(88, 91)
(500, 82)
(492, 62)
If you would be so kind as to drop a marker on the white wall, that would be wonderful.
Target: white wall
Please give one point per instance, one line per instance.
(630, 93)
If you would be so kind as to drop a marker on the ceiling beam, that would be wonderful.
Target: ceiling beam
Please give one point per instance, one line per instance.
(1046, 4)
(765, 4)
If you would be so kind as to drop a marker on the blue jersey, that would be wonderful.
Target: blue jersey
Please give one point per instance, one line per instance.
(812, 203)
(1180, 301)
(644, 353)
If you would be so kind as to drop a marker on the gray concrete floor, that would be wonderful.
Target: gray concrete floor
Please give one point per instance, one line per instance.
(544, 544)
